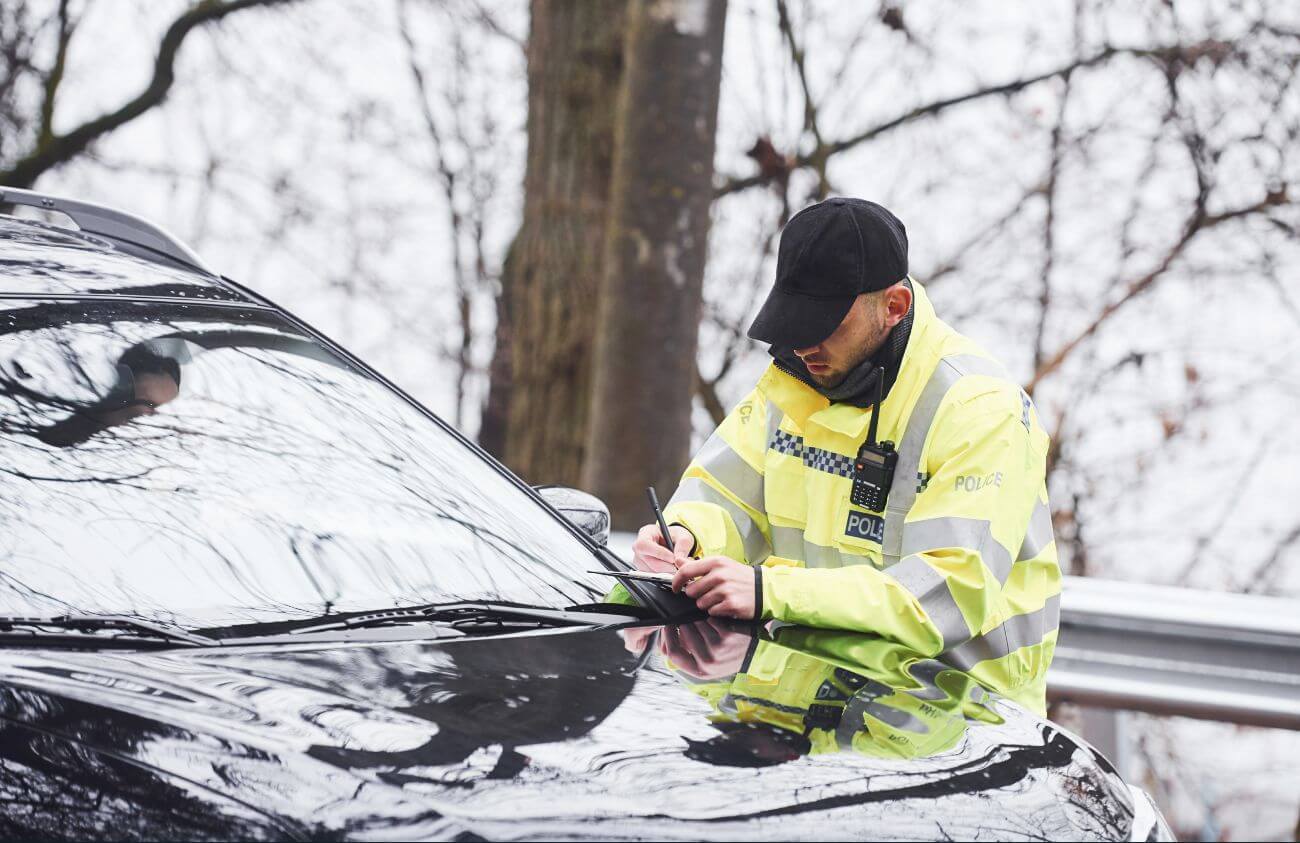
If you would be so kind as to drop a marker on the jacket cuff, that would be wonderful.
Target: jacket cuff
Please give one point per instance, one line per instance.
(779, 589)
(758, 592)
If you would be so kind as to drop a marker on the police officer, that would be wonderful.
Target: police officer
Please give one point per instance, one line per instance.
(884, 474)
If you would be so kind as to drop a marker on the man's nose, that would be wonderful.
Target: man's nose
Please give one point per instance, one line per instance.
(807, 352)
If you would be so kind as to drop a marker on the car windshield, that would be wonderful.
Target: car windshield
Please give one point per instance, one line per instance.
(204, 464)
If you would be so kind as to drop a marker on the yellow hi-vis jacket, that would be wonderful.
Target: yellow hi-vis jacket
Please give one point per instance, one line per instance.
(961, 564)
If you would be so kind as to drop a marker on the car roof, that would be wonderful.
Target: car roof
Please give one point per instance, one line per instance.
(43, 260)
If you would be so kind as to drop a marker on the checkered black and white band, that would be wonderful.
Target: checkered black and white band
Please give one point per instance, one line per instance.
(815, 458)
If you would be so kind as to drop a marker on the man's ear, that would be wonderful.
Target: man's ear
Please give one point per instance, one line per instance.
(898, 301)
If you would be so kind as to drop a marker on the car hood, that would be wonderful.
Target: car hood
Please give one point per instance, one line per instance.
(684, 732)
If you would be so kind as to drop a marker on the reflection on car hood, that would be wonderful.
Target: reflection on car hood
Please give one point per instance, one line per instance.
(555, 735)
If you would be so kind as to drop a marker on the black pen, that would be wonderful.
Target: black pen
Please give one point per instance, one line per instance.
(659, 516)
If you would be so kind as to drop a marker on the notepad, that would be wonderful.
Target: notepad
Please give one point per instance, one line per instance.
(663, 578)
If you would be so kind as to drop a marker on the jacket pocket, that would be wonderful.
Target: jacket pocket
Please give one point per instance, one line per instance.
(859, 532)
(785, 493)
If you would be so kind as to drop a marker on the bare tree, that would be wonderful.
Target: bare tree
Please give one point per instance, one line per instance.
(657, 241)
(537, 414)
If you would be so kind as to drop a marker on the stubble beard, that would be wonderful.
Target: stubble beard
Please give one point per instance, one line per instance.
(867, 348)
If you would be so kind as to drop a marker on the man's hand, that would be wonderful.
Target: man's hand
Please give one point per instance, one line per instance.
(650, 554)
(722, 586)
(706, 649)
(637, 638)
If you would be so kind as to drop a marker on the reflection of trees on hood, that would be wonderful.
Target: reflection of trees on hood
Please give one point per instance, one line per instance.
(510, 693)
(52, 789)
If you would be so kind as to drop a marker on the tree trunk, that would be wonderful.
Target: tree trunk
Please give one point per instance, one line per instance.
(536, 416)
(651, 299)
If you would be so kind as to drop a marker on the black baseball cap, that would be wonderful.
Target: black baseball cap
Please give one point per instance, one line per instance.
(830, 253)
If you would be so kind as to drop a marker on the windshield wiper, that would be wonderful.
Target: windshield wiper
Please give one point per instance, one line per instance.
(127, 628)
(468, 618)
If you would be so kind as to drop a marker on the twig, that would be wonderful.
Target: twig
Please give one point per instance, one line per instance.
(56, 149)
(1198, 222)
(1182, 55)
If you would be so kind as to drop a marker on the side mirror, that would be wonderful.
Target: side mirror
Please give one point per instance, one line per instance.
(588, 512)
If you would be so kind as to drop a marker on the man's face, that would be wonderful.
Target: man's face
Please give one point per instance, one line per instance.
(152, 390)
(859, 336)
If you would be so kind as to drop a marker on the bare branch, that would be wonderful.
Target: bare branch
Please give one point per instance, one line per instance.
(809, 105)
(57, 149)
(1198, 222)
(46, 131)
(951, 263)
(708, 392)
(489, 21)
(1266, 572)
(1226, 513)
(1168, 56)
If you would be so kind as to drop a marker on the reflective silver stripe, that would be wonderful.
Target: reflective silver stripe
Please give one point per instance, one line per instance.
(862, 705)
(927, 674)
(903, 491)
(729, 468)
(851, 718)
(847, 558)
(967, 533)
(817, 556)
(695, 489)
(1039, 535)
(930, 589)
(897, 718)
(789, 543)
(774, 416)
(1052, 613)
(1020, 631)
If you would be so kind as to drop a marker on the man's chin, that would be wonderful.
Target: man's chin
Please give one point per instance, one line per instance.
(829, 380)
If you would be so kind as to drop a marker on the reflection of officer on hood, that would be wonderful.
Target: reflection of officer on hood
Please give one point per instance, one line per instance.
(149, 376)
(807, 692)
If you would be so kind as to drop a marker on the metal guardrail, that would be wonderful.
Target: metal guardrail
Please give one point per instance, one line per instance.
(1164, 650)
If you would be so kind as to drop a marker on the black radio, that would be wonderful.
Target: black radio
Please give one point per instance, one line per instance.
(873, 474)
(873, 470)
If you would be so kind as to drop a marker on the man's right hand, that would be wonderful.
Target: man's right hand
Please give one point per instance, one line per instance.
(709, 649)
(650, 554)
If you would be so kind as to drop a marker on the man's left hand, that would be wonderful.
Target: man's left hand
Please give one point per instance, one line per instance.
(722, 586)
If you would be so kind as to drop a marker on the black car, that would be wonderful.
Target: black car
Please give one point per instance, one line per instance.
(249, 589)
